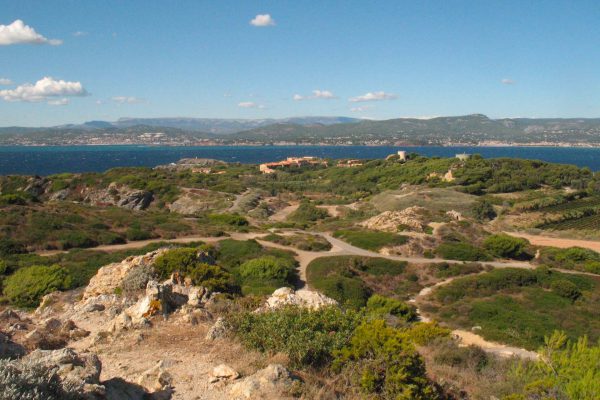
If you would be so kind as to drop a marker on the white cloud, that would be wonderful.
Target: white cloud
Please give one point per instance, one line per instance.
(316, 94)
(507, 81)
(79, 33)
(5, 82)
(263, 20)
(126, 100)
(19, 33)
(250, 104)
(323, 94)
(372, 96)
(45, 89)
(59, 102)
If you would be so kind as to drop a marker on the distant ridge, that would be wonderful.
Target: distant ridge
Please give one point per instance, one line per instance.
(474, 129)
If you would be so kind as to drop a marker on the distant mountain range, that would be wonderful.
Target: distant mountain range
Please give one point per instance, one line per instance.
(211, 125)
(475, 129)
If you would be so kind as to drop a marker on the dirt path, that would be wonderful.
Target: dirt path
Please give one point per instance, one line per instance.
(467, 338)
(282, 214)
(557, 242)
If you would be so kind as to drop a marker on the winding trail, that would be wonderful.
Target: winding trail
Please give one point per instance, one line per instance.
(341, 248)
(467, 338)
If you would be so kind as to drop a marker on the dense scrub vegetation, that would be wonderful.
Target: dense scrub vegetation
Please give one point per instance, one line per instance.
(574, 258)
(370, 240)
(306, 242)
(520, 306)
(351, 279)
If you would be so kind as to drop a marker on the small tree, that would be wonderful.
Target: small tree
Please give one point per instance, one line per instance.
(483, 210)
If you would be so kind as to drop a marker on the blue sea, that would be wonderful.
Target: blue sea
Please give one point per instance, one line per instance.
(51, 160)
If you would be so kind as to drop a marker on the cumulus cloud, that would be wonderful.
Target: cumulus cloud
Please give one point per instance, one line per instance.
(263, 20)
(126, 100)
(250, 104)
(46, 89)
(316, 94)
(373, 96)
(5, 81)
(59, 102)
(19, 33)
(507, 81)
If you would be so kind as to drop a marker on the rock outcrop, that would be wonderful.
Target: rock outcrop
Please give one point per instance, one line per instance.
(389, 221)
(120, 196)
(302, 298)
(76, 371)
(273, 382)
(111, 276)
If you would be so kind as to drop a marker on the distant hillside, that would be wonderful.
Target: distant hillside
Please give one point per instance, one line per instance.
(476, 129)
(471, 129)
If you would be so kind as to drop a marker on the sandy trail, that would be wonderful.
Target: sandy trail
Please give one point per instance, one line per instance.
(467, 338)
(283, 214)
(557, 242)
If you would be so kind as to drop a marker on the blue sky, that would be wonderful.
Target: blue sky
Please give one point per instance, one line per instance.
(371, 59)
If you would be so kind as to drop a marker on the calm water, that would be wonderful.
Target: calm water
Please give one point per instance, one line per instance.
(50, 160)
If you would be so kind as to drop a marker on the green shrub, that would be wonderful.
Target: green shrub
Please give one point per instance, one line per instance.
(566, 289)
(26, 286)
(506, 246)
(191, 263)
(233, 220)
(231, 253)
(133, 234)
(73, 239)
(371, 240)
(575, 258)
(308, 212)
(307, 337)
(483, 210)
(268, 267)
(423, 333)
(12, 199)
(383, 362)
(566, 370)
(211, 277)
(381, 306)
(304, 242)
(461, 252)
(447, 270)
(9, 247)
(464, 357)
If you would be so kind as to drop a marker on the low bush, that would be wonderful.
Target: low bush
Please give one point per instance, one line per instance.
(189, 262)
(446, 270)
(265, 274)
(233, 220)
(381, 306)
(137, 279)
(505, 246)
(383, 362)
(575, 258)
(483, 210)
(22, 380)
(134, 234)
(304, 242)
(370, 240)
(566, 289)
(26, 286)
(306, 337)
(81, 240)
(307, 212)
(461, 252)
